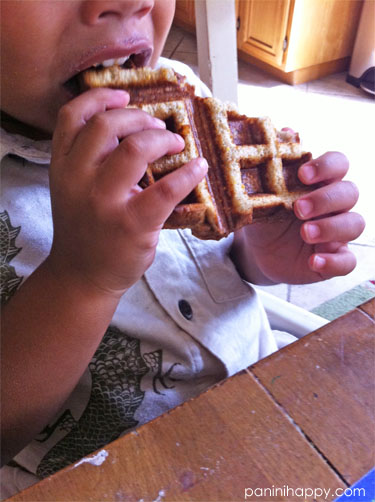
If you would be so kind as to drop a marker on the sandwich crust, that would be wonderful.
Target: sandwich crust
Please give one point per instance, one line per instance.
(252, 172)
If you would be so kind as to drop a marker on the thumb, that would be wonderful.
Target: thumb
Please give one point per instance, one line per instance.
(156, 202)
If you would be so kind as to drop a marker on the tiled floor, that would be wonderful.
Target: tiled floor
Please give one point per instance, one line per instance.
(330, 115)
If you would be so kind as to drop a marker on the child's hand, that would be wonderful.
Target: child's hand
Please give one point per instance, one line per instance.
(328, 223)
(312, 247)
(106, 227)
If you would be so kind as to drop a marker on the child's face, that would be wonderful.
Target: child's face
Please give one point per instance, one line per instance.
(44, 43)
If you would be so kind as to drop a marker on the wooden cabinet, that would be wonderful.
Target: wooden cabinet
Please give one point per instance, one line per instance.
(185, 14)
(262, 29)
(298, 40)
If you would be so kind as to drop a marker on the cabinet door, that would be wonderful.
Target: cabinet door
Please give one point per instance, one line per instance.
(185, 13)
(325, 31)
(263, 27)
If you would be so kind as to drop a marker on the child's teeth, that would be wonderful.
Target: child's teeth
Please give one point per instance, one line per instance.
(121, 61)
(108, 62)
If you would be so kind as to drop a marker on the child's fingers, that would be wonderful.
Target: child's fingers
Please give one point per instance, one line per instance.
(333, 198)
(127, 164)
(343, 227)
(75, 114)
(154, 204)
(104, 131)
(329, 265)
(330, 166)
(329, 247)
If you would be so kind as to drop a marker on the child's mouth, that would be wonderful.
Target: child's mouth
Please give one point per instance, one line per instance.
(136, 60)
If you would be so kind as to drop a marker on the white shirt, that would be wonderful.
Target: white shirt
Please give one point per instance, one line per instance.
(189, 322)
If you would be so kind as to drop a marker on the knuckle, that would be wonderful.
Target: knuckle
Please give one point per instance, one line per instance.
(166, 192)
(193, 172)
(329, 199)
(133, 146)
(130, 217)
(100, 123)
(132, 224)
(336, 228)
(66, 113)
(143, 115)
(189, 183)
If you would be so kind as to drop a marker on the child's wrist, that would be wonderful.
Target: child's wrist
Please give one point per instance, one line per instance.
(64, 275)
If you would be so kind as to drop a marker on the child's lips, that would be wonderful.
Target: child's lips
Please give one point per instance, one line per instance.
(134, 59)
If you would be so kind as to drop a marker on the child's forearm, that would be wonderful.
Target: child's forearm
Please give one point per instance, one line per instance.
(50, 330)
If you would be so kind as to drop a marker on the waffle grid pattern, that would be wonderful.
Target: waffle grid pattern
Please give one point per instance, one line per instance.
(252, 168)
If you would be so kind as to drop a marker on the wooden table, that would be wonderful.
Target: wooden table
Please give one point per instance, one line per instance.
(302, 418)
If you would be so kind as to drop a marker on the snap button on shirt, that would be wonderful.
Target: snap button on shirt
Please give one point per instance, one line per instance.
(185, 309)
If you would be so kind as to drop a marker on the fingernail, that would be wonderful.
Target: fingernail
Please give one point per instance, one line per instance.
(304, 207)
(202, 163)
(343, 249)
(180, 138)
(159, 123)
(318, 262)
(308, 172)
(313, 231)
(121, 92)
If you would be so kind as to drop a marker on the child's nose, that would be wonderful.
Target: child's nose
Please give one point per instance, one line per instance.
(94, 11)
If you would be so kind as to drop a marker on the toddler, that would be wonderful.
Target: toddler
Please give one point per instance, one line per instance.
(107, 321)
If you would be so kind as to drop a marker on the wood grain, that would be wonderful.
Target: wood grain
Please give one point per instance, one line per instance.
(185, 15)
(303, 40)
(302, 75)
(263, 29)
(369, 308)
(301, 418)
(211, 448)
(322, 30)
(325, 383)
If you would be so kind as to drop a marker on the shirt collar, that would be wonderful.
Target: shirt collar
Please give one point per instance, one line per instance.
(38, 152)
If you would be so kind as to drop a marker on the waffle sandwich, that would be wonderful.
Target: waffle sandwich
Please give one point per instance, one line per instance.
(252, 171)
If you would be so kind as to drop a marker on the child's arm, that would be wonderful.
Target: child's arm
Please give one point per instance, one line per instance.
(312, 247)
(105, 232)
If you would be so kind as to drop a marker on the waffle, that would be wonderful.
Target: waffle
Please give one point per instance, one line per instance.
(252, 172)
